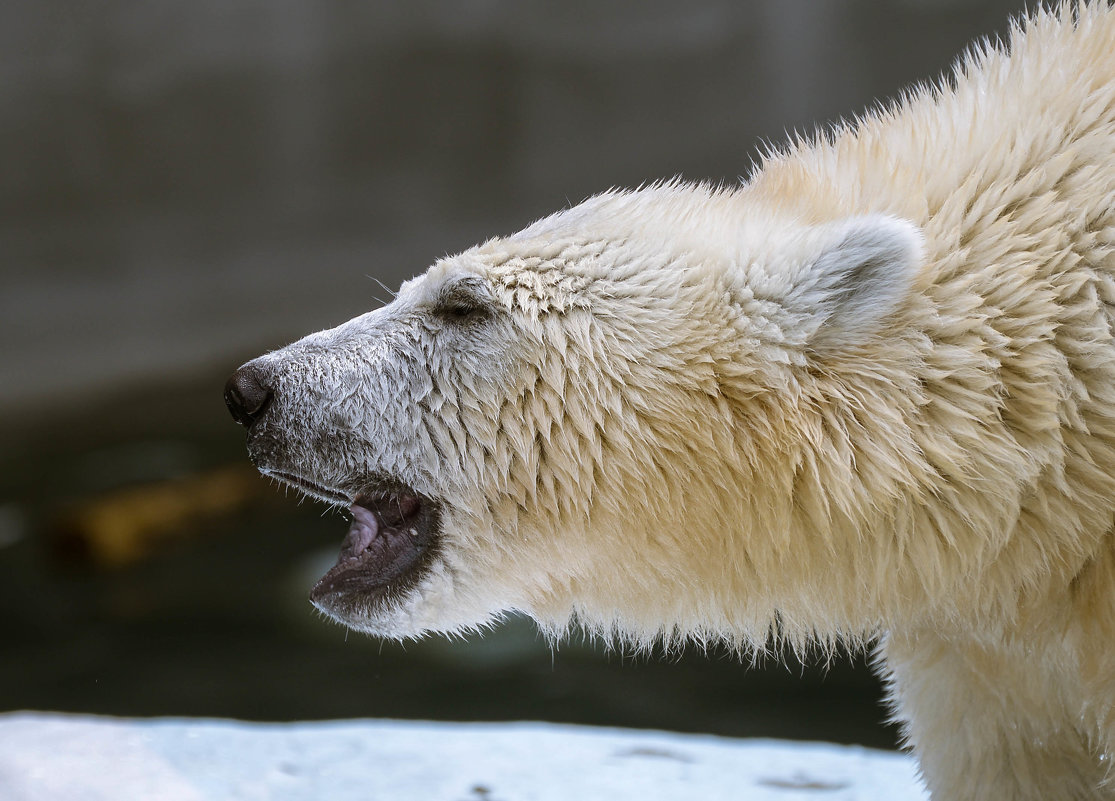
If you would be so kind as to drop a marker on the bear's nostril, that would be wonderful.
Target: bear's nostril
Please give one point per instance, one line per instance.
(247, 395)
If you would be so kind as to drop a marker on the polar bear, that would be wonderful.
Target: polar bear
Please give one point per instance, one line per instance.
(866, 396)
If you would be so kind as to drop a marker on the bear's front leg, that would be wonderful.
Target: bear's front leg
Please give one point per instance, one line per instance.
(987, 725)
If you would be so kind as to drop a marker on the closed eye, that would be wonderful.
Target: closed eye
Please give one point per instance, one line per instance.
(459, 310)
(460, 304)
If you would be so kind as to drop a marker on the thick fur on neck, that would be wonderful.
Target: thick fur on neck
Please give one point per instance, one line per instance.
(949, 468)
(870, 392)
(872, 388)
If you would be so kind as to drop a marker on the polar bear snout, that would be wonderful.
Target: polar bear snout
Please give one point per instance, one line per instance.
(248, 394)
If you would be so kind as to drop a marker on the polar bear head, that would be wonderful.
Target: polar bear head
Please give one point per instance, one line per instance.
(574, 421)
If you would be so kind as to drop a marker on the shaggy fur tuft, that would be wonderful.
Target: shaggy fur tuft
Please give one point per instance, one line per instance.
(869, 393)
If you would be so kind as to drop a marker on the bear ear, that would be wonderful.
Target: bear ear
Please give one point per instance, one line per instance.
(863, 273)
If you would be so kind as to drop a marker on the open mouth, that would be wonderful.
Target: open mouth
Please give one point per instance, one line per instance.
(389, 543)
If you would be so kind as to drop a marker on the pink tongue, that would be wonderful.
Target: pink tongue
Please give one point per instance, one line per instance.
(363, 530)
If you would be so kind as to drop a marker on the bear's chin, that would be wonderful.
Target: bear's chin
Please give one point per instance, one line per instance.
(388, 548)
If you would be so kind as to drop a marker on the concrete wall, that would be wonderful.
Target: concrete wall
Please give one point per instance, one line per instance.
(187, 183)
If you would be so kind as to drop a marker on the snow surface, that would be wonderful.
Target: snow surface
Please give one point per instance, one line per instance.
(82, 758)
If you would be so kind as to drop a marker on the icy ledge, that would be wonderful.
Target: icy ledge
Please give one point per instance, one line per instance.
(78, 758)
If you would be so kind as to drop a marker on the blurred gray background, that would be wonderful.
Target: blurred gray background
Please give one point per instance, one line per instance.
(186, 184)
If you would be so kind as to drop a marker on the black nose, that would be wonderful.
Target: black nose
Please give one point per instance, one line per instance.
(247, 395)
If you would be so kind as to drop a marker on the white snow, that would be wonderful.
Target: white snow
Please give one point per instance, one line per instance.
(44, 757)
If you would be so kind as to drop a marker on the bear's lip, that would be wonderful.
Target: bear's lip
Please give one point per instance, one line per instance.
(388, 545)
(312, 488)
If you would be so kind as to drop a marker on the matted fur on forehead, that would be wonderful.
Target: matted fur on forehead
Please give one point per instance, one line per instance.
(533, 279)
(648, 245)
(620, 236)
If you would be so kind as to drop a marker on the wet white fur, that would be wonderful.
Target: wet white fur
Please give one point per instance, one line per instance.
(869, 393)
